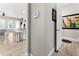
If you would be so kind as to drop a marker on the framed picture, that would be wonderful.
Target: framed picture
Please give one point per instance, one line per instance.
(53, 15)
(70, 21)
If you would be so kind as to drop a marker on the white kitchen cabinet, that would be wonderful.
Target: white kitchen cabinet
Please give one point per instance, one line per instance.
(2, 24)
(10, 24)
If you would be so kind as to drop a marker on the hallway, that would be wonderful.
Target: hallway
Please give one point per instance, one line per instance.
(68, 49)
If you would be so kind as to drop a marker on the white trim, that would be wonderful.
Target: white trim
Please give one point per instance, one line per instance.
(71, 39)
(25, 54)
(51, 52)
(31, 54)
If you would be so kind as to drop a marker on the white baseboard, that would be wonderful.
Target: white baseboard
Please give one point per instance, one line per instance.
(25, 54)
(71, 39)
(51, 52)
(31, 54)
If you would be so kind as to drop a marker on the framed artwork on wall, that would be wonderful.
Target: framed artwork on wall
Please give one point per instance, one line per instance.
(70, 21)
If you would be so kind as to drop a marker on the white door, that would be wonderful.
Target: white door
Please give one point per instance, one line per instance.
(59, 27)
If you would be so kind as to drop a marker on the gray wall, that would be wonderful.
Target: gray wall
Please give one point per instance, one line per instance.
(72, 34)
(37, 31)
(49, 28)
(42, 29)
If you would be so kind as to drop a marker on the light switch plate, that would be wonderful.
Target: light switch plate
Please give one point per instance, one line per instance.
(35, 14)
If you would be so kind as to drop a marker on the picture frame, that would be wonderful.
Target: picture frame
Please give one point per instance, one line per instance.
(70, 21)
(53, 15)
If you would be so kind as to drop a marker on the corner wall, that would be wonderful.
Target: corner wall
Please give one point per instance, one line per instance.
(42, 30)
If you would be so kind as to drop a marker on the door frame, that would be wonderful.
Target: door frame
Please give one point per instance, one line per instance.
(29, 29)
(55, 33)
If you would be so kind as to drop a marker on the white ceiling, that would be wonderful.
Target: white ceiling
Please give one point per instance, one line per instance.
(13, 9)
(71, 8)
(64, 4)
